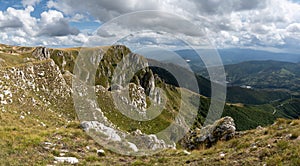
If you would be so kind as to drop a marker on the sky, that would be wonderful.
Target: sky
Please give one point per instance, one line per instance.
(258, 24)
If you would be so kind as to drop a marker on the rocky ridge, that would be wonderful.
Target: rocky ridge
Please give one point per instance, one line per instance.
(37, 82)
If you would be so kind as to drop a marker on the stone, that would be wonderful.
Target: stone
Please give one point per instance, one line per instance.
(288, 136)
(259, 128)
(110, 132)
(222, 155)
(41, 53)
(70, 160)
(101, 152)
(186, 152)
(133, 147)
(222, 129)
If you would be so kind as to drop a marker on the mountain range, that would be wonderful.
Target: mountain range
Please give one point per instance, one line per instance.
(39, 120)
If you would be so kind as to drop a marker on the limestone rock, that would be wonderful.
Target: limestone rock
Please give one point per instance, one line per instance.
(70, 160)
(223, 129)
(100, 152)
(41, 53)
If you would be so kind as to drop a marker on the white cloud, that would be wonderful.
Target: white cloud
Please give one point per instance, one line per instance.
(257, 22)
(105, 10)
(78, 17)
(13, 18)
(30, 2)
(232, 23)
(9, 21)
(19, 27)
(53, 23)
(294, 27)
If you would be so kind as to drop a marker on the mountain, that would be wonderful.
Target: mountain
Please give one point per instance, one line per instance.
(236, 55)
(235, 94)
(265, 75)
(38, 120)
(262, 75)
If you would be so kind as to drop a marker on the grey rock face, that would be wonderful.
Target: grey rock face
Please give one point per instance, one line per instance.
(39, 86)
(223, 129)
(41, 53)
(138, 97)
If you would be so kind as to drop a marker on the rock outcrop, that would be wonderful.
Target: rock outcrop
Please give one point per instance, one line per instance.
(223, 129)
(41, 53)
(40, 83)
(34, 84)
(126, 143)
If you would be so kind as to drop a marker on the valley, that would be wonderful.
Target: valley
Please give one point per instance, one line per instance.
(39, 120)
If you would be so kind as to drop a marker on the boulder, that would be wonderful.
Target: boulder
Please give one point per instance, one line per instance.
(101, 152)
(70, 160)
(223, 129)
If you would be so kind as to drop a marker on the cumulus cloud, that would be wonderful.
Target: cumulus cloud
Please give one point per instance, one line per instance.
(294, 27)
(231, 23)
(218, 7)
(30, 2)
(19, 27)
(54, 24)
(156, 21)
(9, 21)
(14, 18)
(105, 10)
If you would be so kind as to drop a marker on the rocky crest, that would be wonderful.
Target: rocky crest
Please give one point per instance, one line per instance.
(41, 53)
(43, 81)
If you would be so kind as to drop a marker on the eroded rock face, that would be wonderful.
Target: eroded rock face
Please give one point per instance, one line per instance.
(223, 129)
(148, 141)
(43, 82)
(137, 97)
(109, 132)
(41, 53)
(36, 85)
(134, 142)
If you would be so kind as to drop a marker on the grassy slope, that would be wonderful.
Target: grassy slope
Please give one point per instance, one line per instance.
(246, 117)
(265, 74)
(23, 144)
(22, 140)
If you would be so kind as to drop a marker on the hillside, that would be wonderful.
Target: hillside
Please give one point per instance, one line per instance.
(263, 75)
(235, 94)
(39, 120)
(277, 144)
(64, 60)
(237, 55)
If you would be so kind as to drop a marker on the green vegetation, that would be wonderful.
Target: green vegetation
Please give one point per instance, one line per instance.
(263, 75)
(41, 122)
(33, 145)
(255, 96)
(153, 126)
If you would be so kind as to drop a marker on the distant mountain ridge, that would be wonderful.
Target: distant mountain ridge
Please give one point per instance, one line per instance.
(273, 75)
(237, 55)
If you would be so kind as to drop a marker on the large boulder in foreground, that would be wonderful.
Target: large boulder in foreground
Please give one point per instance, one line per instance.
(222, 129)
